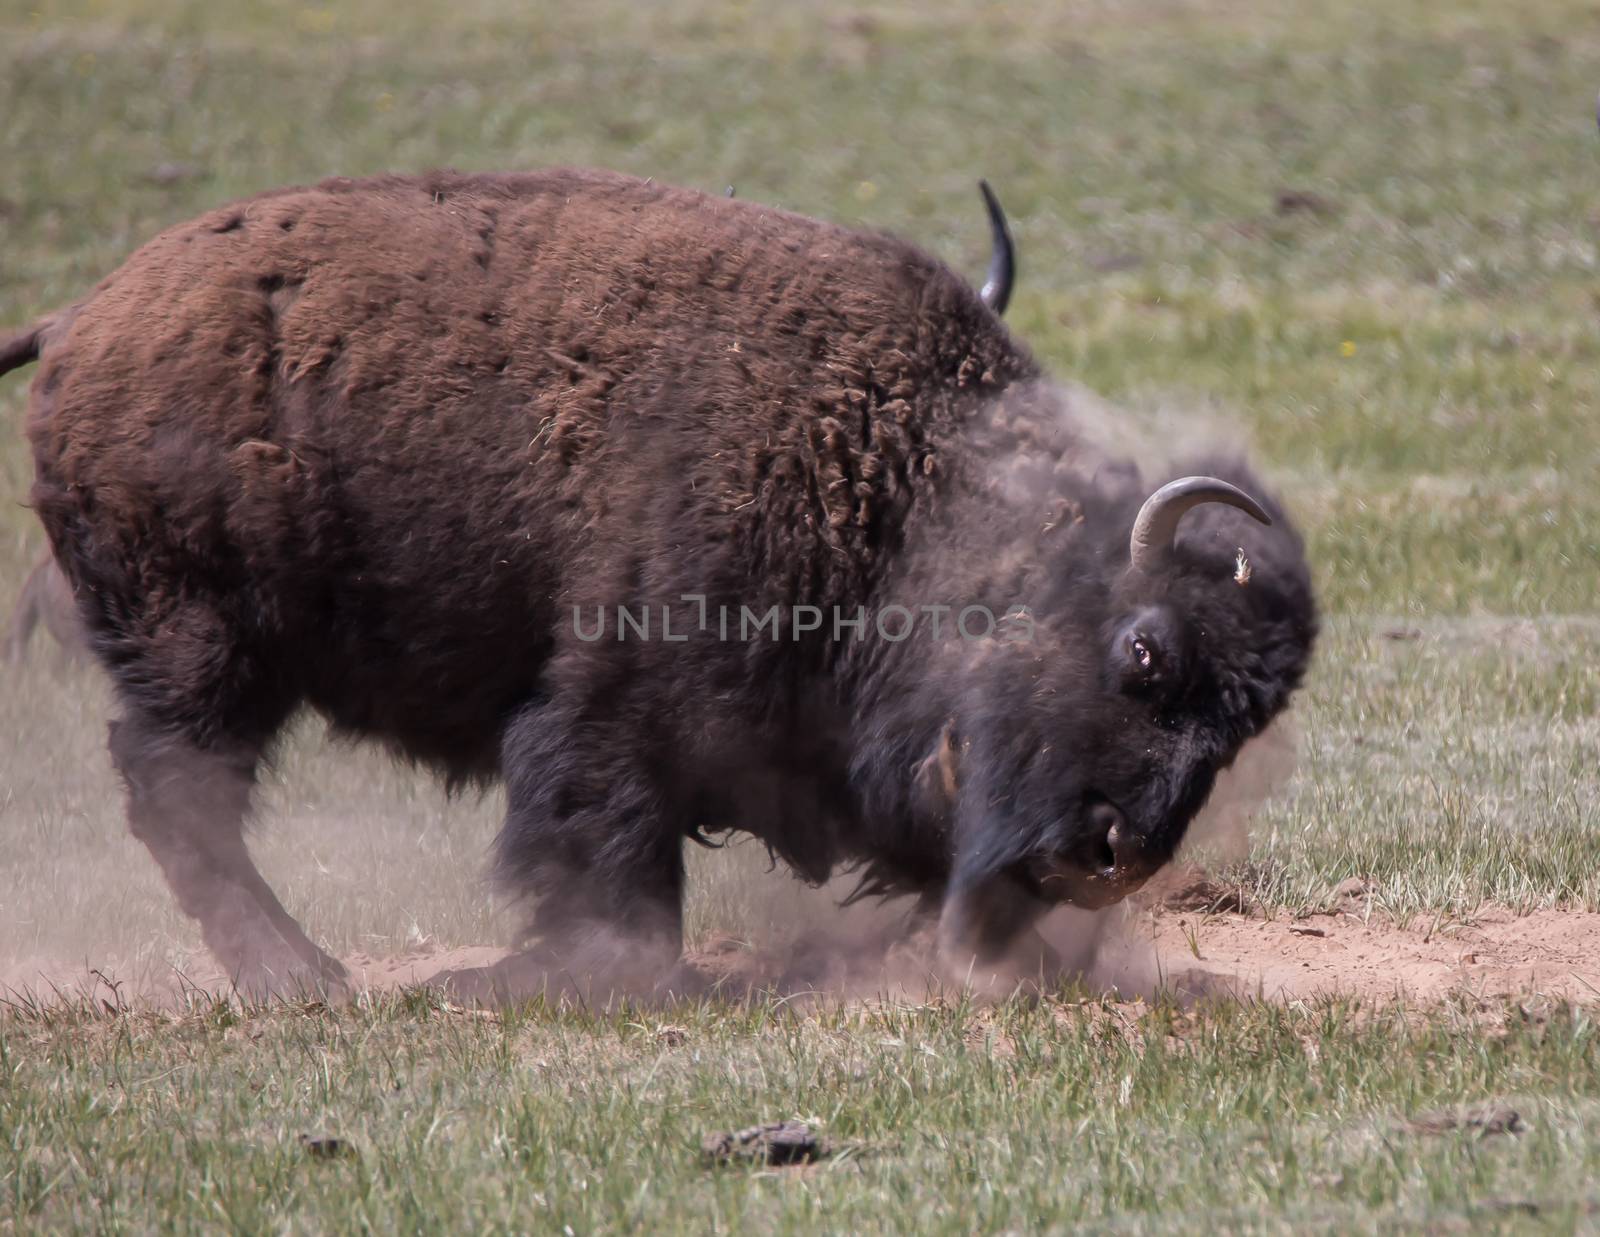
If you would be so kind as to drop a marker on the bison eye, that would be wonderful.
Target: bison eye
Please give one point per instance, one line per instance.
(1145, 652)
(1144, 660)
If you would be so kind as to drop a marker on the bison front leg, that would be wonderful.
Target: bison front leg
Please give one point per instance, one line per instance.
(988, 936)
(591, 843)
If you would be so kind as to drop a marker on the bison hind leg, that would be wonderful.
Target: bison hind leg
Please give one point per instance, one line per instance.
(188, 804)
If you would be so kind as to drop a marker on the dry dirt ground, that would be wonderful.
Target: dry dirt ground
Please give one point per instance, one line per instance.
(1497, 954)
(1185, 954)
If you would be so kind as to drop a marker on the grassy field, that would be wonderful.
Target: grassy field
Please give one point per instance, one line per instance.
(944, 1119)
(1360, 237)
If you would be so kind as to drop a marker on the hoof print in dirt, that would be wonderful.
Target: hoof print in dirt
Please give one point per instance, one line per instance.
(1480, 1119)
(325, 1148)
(777, 1142)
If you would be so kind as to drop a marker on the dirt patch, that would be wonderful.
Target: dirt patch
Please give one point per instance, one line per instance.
(1497, 954)
(415, 967)
(1190, 953)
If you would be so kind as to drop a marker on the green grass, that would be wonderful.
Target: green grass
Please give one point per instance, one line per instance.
(943, 1118)
(1415, 360)
(1453, 767)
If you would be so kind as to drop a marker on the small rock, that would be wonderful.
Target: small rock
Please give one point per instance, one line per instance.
(1305, 929)
(1111, 263)
(1302, 201)
(777, 1142)
(324, 1148)
(1516, 1206)
(171, 173)
(1484, 1119)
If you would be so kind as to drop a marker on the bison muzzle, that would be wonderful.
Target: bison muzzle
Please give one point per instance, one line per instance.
(385, 449)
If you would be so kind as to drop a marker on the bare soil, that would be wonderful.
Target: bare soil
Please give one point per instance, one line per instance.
(1190, 953)
(1497, 954)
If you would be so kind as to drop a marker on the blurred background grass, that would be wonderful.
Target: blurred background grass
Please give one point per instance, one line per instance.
(1359, 237)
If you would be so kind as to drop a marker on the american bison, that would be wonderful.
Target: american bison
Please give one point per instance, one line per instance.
(679, 514)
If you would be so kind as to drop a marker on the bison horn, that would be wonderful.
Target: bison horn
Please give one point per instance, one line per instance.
(1157, 522)
(996, 291)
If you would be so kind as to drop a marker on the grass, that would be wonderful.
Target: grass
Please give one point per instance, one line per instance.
(944, 1118)
(1359, 237)
(1448, 767)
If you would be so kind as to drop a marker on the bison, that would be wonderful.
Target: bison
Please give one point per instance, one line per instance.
(499, 469)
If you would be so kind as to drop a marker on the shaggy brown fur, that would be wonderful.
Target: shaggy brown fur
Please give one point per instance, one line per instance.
(366, 446)
(350, 374)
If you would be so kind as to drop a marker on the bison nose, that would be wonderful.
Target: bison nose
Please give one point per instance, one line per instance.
(1115, 845)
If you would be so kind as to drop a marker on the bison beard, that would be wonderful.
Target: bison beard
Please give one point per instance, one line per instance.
(364, 447)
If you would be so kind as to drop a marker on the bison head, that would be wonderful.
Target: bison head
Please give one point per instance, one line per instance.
(1167, 633)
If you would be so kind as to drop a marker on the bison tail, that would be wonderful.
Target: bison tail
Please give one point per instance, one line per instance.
(23, 622)
(22, 349)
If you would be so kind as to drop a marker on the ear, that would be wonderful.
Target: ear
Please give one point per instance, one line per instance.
(937, 780)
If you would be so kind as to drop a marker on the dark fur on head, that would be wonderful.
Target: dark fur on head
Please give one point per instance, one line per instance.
(1134, 691)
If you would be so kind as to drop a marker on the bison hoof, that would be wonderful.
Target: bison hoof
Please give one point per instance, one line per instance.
(473, 985)
(293, 981)
(269, 967)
